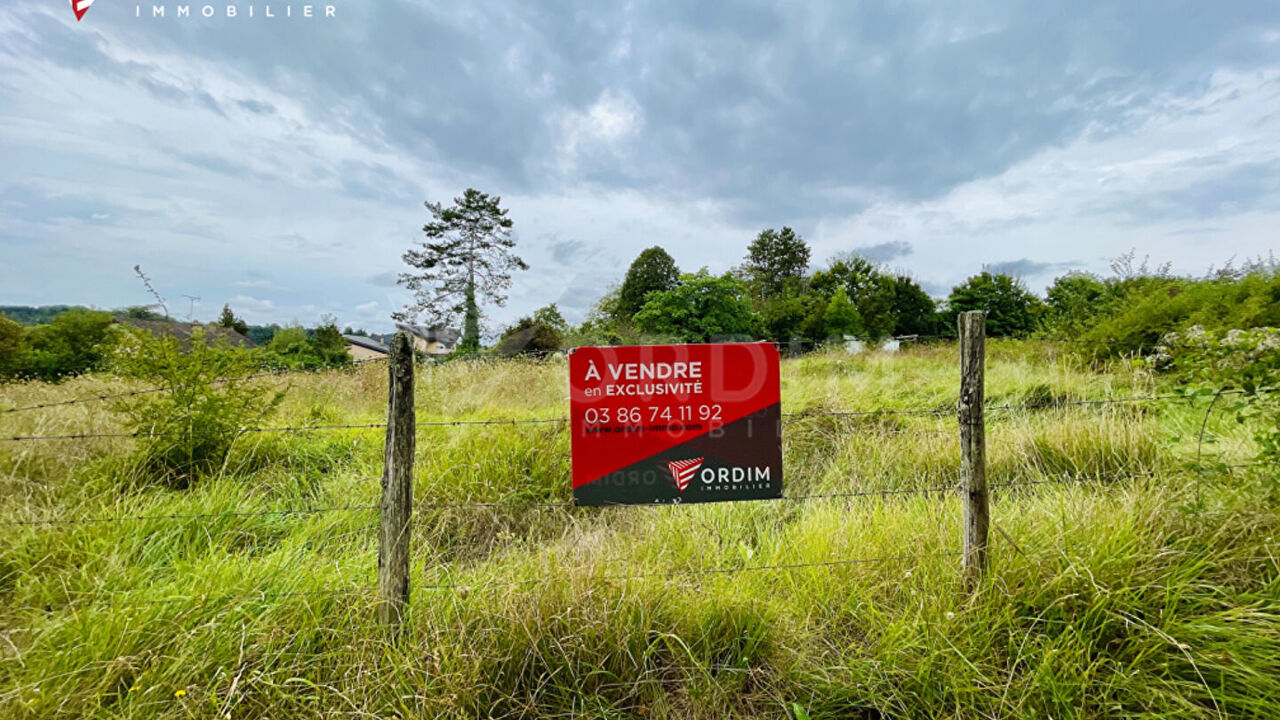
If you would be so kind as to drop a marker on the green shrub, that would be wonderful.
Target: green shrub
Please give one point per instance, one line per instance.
(13, 349)
(294, 348)
(1240, 370)
(187, 430)
(75, 342)
(1124, 316)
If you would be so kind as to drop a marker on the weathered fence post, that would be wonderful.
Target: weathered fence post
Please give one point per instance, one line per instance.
(973, 443)
(397, 486)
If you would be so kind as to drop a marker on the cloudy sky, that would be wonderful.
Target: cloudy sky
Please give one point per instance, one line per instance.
(280, 164)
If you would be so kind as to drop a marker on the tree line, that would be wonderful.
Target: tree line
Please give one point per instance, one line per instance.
(777, 294)
(74, 341)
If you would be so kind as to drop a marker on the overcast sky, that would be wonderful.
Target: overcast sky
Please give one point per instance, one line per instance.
(281, 164)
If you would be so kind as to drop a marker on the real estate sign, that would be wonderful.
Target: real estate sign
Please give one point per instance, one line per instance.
(675, 423)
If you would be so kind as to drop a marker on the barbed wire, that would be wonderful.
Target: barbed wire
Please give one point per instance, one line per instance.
(349, 591)
(692, 572)
(1032, 406)
(220, 381)
(421, 506)
(191, 516)
(113, 598)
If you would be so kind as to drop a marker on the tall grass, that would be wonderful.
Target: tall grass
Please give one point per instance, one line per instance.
(1110, 595)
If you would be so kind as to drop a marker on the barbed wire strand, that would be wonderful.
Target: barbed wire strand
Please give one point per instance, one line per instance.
(421, 506)
(148, 391)
(544, 421)
(467, 587)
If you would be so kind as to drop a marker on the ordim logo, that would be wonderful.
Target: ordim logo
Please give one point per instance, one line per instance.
(682, 471)
(80, 7)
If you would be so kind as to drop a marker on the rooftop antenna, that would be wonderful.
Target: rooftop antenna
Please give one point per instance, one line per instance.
(192, 309)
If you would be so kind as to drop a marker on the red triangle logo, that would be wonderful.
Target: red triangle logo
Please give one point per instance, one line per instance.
(682, 471)
(80, 7)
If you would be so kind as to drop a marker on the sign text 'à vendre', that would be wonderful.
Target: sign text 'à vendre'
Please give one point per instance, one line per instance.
(675, 423)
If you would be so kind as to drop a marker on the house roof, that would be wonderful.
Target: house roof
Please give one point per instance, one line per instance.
(448, 336)
(367, 343)
(183, 331)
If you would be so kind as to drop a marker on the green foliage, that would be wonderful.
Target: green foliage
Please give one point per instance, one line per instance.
(702, 308)
(13, 349)
(75, 342)
(294, 348)
(1011, 309)
(261, 335)
(34, 315)
(141, 312)
(914, 312)
(467, 257)
(470, 341)
(871, 291)
(784, 315)
(841, 317)
(229, 320)
(776, 260)
(1072, 301)
(652, 271)
(1240, 371)
(329, 346)
(1136, 312)
(530, 336)
(187, 430)
(550, 316)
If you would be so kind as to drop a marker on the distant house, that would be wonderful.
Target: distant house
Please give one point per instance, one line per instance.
(183, 331)
(363, 348)
(431, 342)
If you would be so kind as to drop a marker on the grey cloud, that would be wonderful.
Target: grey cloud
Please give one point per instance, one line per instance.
(935, 289)
(568, 252)
(885, 251)
(1026, 267)
(375, 181)
(752, 105)
(1220, 192)
(257, 107)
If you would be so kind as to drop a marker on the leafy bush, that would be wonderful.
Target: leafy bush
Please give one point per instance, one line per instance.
(702, 308)
(529, 336)
(188, 429)
(294, 348)
(1011, 309)
(13, 348)
(75, 342)
(1242, 367)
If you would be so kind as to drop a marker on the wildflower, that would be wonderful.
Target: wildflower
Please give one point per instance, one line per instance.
(179, 693)
(134, 688)
(951, 615)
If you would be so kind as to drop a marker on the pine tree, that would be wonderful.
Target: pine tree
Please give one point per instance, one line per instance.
(228, 319)
(467, 257)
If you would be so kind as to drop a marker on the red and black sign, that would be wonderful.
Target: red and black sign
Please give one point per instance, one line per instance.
(675, 423)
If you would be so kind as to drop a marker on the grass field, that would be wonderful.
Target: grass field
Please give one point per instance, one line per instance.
(1122, 584)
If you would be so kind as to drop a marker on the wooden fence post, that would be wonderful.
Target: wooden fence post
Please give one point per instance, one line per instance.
(973, 443)
(397, 486)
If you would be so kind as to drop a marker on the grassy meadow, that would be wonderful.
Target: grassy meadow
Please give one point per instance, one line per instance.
(1122, 584)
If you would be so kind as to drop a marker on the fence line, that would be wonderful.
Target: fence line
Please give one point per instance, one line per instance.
(421, 506)
(149, 391)
(545, 421)
(549, 353)
(467, 587)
